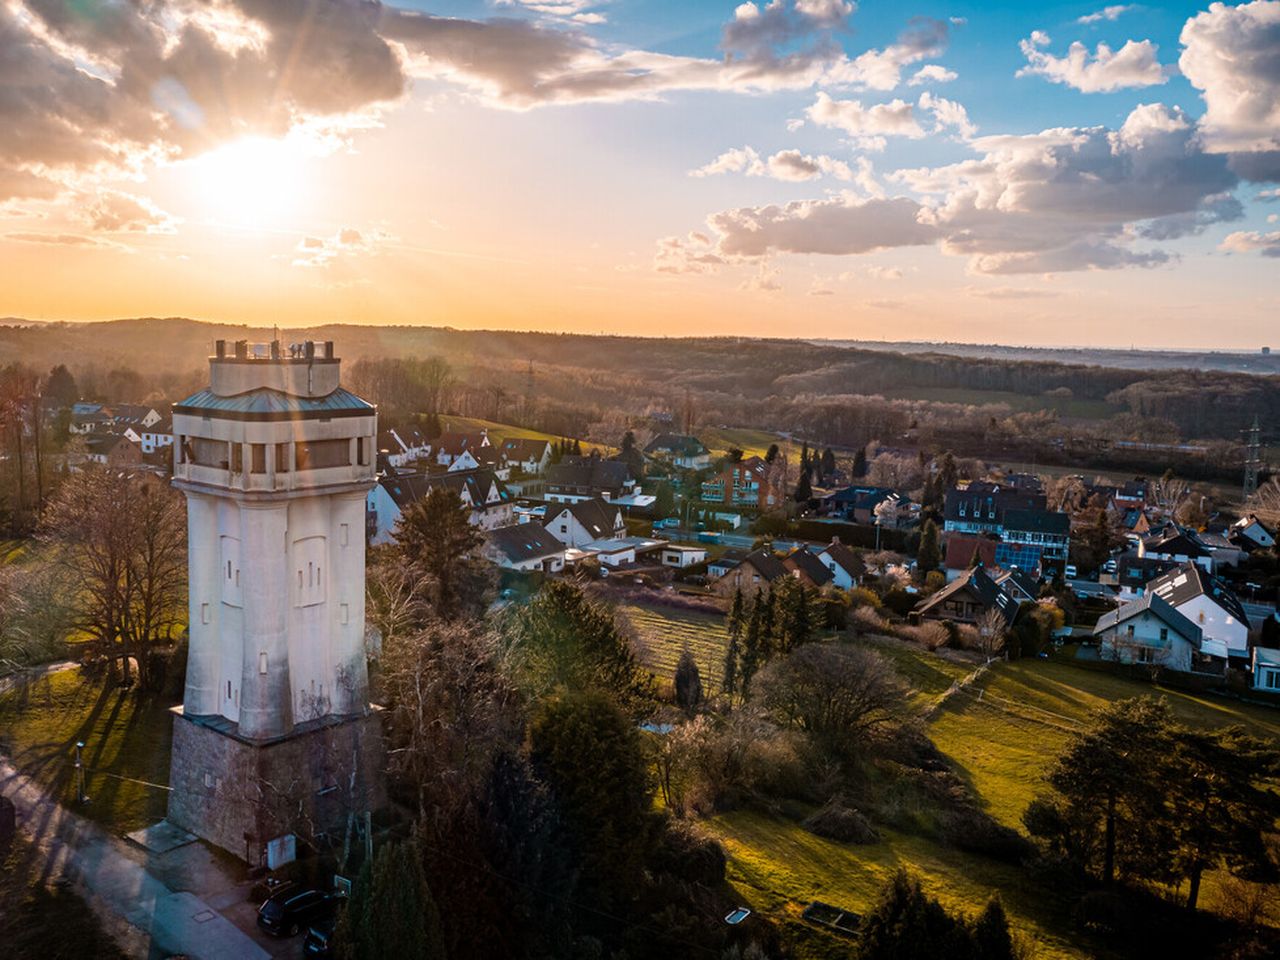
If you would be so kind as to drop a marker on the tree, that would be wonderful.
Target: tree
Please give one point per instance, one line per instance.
(391, 912)
(61, 386)
(859, 468)
(929, 556)
(804, 487)
(688, 682)
(1221, 813)
(796, 615)
(729, 678)
(827, 465)
(590, 754)
(993, 631)
(436, 536)
(121, 542)
(906, 924)
(629, 453)
(751, 652)
(835, 693)
(771, 454)
(564, 641)
(664, 500)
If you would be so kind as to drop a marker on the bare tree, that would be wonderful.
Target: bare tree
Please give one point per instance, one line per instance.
(992, 633)
(1265, 503)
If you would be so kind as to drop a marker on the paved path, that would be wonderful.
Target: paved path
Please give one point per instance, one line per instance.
(182, 902)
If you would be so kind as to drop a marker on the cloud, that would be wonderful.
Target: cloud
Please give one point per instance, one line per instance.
(692, 254)
(574, 11)
(789, 165)
(1269, 196)
(766, 279)
(893, 119)
(1010, 293)
(1232, 55)
(1133, 65)
(66, 240)
(1069, 198)
(1106, 13)
(947, 113)
(1268, 244)
(931, 73)
(321, 252)
(882, 69)
(113, 211)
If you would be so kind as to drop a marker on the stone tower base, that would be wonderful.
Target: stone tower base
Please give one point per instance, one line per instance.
(240, 794)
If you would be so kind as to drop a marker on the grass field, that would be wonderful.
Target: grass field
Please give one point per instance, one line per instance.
(664, 632)
(125, 735)
(506, 431)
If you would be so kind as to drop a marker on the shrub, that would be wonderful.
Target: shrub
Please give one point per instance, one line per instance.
(835, 821)
(900, 601)
(685, 852)
(866, 620)
(972, 830)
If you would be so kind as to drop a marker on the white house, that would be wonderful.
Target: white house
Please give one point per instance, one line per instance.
(612, 552)
(682, 450)
(581, 523)
(845, 565)
(529, 455)
(1251, 530)
(153, 437)
(404, 446)
(466, 460)
(525, 546)
(1148, 630)
(682, 555)
(480, 490)
(1266, 669)
(1207, 602)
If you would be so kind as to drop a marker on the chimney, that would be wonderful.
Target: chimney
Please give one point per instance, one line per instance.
(219, 348)
(242, 349)
(328, 349)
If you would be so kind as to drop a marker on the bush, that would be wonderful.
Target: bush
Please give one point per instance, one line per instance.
(685, 852)
(835, 821)
(972, 830)
(900, 601)
(866, 620)
(931, 635)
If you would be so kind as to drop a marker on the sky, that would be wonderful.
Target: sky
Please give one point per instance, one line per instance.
(1000, 172)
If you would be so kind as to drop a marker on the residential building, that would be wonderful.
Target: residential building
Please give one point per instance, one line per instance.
(968, 599)
(847, 567)
(962, 548)
(113, 450)
(1249, 532)
(453, 444)
(487, 499)
(581, 522)
(404, 445)
(858, 504)
(1266, 669)
(980, 507)
(754, 573)
(722, 564)
(529, 455)
(1034, 539)
(525, 546)
(587, 478)
(682, 555)
(681, 449)
(1178, 545)
(749, 482)
(1207, 602)
(1018, 584)
(1031, 537)
(808, 568)
(1148, 630)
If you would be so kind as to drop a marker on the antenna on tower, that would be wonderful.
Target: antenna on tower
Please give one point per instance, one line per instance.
(1252, 460)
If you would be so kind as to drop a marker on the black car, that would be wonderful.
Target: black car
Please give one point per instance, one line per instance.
(291, 911)
(319, 940)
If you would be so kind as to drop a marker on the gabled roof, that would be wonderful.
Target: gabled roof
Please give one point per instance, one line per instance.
(676, 444)
(524, 541)
(981, 499)
(766, 563)
(1021, 581)
(595, 515)
(978, 583)
(592, 472)
(845, 558)
(1151, 603)
(407, 489)
(730, 558)
(862, 497)
(1175, 540)
(1187, 581)
(525, 448)
(266, 404)
(809, 566)
(1037, 521)
(454, 443)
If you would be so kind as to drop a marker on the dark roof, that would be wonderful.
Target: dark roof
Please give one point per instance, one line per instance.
(679, 444)
(103, 443)
(730, 558)
(766, 563)
(524, 448)
(979, 583)
(410, 488)
(981, 499)
(809, 565)
(1154, 604)
(1187, 581)
(1038, 521)
(588, 472)
(845, 557)
(595, 515)
(524, 541)
(1175, 541)
(266, 404)
(862, 497)
(1022, 580)
(1135, 570)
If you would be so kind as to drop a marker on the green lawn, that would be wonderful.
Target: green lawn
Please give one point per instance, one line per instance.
(124, 735)
(750, 442)
(506, 431)
(664, 633)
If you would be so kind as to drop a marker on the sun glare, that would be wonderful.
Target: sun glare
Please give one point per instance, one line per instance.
(253, 182)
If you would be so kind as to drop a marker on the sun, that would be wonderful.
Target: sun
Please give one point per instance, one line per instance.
(253, 182)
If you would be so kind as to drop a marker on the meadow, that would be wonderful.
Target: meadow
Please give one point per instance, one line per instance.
(665, 632)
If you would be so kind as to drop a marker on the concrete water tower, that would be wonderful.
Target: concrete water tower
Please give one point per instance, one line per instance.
(275, 735)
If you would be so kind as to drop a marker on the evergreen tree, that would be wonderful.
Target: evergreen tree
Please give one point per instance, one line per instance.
(976, 559)
(859, 463)
(391, 912)
(751, 653)
(630, 454)
(804, 487)
(948, 474)
(436, 536)
(729, 681)
(61, 386)
(577, 448)
(906, 924)
(688, 682)
(768, 621)
(991, 939)
(828, 465)
(771, 454)
(929, 556)
(664, 502)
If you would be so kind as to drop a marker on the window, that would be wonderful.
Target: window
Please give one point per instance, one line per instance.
(257, 458)
(1129, 630)
(237, 458)
(1272, 681)
(362, 457)
(1146, 655)
(229, 547)
(308, 558)
(282, 458)
(1164, 634)
(208, 453)
(320, 454)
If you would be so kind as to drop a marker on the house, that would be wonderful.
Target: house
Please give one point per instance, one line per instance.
(157, 436)
(858, 503)
(587, 478)
(481, 491)
(681, 449)
(529, 455)
(1148, 630)
(722, 564)
(1207, 602)
(1176, 544)
(1134, 572)
(524, 546)
(967, 600)
(612, 552)
(960, 550)
(1249, 533)
(847, 568)
(749, 482)
(452, 445)
(579, 523)
(981, 506)
(113, 450)
(1019, 584)
(1034, 539)
(1266, 669)
(88, 420)
(808, 568)
(404, 445)
(754, 573)
(681, 555)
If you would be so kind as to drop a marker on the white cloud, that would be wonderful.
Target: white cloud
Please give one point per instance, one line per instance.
(347, 242)
(1133, 65)
(1268, 244)
(882, 69)
(115, 212)
(737, 160)
(1010, 293)
(947, 114)
(1232, 55)
(1106, 13)
(893, 119)
(931, 73)
(789, 165)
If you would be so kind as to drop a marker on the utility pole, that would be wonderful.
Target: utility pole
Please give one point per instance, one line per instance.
(1253, 460)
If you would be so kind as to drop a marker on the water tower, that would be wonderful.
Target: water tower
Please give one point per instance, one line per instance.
(275, 735)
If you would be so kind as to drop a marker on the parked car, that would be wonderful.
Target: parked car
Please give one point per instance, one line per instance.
(289, 912)
(319, 940)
